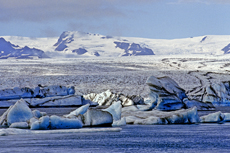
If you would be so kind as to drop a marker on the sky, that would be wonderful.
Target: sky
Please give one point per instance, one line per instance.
(156, 19)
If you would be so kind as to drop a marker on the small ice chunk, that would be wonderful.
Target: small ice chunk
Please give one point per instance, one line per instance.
(42, 124)
(36, 113)
(213, 117)
(115, 110)
(227, 117)
(64, 123)
(121, 122)
(20, 125)
(81, 110)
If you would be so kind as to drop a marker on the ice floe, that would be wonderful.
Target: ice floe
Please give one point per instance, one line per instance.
(183, 116)
(14, 131)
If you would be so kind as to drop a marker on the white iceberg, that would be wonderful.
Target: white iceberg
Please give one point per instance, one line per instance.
(20, 112)
(216, 117)
(81, 110)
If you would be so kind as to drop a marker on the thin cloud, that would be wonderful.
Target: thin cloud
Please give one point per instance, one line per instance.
(200, 1)
(42, 10)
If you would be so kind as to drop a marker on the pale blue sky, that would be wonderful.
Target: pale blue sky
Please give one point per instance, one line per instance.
(158, 19)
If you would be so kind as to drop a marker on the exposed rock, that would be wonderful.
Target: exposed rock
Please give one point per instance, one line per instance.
(64, 39)
(165, 93)
(57, 122)
(183, 116)
(216, 117)
(20, 125)
(226, 49)
(20, 112)
(80, 51)
(97, 117)
(133, 49)
(96, 53)
(200, 105)
(203, 39)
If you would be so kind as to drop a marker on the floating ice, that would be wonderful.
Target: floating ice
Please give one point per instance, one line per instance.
(213, 118)
(115, 110)
(183, 116)
(97, 117)
(165, 93)
(20, 112)
(57, 122)
(121, 122)
(13, 131)
(81, 110)
(20, 125)
(42, 124)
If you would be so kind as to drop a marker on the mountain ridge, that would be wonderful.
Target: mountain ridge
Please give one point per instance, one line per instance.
(77, 44)
(9, 50)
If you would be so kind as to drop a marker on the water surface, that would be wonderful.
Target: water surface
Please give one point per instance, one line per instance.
(133, 138)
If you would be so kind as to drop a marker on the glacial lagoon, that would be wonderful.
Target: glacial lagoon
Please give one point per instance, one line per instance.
(133, 138)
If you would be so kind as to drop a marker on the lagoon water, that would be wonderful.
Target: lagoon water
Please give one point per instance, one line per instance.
(133, 138)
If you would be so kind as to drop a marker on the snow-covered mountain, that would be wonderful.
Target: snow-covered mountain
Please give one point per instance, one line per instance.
(98, 45)
(80, 44)
(8, 50)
